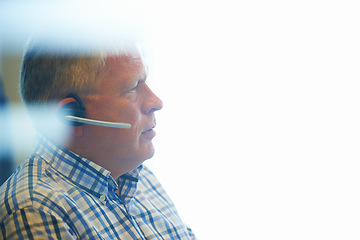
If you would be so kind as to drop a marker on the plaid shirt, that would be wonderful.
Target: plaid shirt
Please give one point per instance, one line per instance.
(56, 194)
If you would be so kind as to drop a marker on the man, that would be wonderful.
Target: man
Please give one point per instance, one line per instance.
(93, 186)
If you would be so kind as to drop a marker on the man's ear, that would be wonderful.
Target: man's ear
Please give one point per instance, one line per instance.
(72, 105)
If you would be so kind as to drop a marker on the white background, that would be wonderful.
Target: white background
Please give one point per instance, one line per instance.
(259, 135)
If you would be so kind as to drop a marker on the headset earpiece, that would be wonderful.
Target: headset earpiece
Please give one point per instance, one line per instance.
(72, 111)
(71, 105)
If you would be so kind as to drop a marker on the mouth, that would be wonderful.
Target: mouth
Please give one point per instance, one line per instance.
(149, 132)
(150, 127)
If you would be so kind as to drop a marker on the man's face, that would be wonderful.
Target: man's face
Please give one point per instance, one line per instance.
(124, 97)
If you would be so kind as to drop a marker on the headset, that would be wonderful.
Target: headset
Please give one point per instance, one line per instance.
(72, 111)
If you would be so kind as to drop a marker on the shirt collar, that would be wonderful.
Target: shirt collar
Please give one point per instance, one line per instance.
(128, 184)
(80, 171)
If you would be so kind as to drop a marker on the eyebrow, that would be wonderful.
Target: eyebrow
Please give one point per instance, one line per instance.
(144, 74)
(136, 81)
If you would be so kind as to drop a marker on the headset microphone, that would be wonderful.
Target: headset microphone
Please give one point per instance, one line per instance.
(72, 110)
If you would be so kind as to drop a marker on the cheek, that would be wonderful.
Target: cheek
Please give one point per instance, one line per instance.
(118, 143)
(131, 115)
(120, 110)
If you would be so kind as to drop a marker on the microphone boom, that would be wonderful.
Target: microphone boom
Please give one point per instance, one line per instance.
(97, 122)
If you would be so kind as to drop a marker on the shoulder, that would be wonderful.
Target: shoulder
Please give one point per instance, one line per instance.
(145, 171)
(161, 206)
(30, 183)
(148, 178)
(152, 188)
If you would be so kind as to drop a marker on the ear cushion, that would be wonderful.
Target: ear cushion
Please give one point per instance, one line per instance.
(71, 105)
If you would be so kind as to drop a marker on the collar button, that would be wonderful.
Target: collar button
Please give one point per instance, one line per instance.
(103, 198)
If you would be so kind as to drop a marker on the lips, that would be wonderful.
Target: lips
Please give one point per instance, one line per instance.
(150, 129)
(150, 133)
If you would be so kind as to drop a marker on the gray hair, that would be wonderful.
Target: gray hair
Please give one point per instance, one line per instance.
(49, 72)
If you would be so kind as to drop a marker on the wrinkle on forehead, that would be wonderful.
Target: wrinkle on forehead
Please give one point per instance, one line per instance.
(122, 72)
(114, 64)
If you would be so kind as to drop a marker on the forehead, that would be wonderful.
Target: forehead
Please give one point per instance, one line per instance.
(116, 61)
(125, 69)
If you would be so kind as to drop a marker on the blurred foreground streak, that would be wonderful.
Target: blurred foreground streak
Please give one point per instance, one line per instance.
(6, 158)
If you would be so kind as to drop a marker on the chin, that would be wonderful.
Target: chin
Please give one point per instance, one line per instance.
(148, 156)
(148, 151)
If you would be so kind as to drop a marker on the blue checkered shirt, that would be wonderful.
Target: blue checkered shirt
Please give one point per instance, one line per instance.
(56, 194)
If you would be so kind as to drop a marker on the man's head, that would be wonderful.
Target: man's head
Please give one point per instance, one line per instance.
(112, 87)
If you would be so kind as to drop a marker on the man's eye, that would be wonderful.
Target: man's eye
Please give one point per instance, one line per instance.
(134, 88)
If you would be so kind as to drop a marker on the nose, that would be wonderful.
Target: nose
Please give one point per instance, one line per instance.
(152, 103)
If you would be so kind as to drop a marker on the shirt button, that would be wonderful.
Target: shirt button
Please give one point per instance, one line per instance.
(103, 198)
